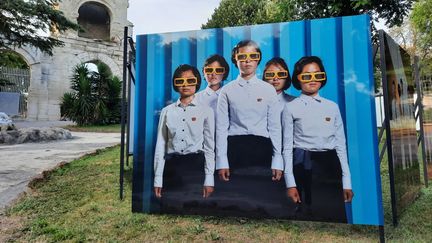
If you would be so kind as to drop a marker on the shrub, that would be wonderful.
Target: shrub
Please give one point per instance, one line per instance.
(95, 97)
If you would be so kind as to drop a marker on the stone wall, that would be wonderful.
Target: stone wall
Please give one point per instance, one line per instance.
(50, 75)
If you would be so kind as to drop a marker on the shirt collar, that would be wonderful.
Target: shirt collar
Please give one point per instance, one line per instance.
(280, 96)
(308, 98)
(209, 91)
(242, 82)
(193, 102)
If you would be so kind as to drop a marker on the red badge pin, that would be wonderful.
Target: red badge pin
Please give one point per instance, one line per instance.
(259, 99)
(193, 118)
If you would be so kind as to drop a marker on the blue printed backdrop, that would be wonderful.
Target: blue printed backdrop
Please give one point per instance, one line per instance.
(344, 45)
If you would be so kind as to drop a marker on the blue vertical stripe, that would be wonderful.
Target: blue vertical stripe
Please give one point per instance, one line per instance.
(139, 132)
(154, 102)
(307, 37)
(292, 46)
(340, 68)
(361, 121)
(263, 36)
(167, 71)
(231, 37)
(219, 41)
(193, 49)
(207, 45)
(276, 39)
(323, 35)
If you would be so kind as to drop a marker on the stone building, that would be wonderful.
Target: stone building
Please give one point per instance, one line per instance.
(103, 22)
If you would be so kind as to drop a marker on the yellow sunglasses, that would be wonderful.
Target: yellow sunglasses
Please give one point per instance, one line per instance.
(275, 74)
(252, 56)
(216, 70)
(310, 77)
(185, 81)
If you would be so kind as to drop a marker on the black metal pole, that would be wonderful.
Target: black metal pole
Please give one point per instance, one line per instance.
(381, 233)
(387, 125)
(420, 116)
(128, 109)
(122, 143)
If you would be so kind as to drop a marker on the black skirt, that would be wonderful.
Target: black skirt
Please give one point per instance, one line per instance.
(250, 192)
(318, 177)
(183, 181)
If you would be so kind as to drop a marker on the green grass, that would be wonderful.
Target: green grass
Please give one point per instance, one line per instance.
(79, 202)
(113, 128)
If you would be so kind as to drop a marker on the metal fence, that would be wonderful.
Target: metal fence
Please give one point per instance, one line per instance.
(18, 81)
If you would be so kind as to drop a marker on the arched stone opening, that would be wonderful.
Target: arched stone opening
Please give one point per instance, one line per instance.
(14, 83)
(91, 57)
(92, 66)
(95, 21)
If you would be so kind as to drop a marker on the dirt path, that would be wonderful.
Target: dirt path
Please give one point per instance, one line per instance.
(22, 162)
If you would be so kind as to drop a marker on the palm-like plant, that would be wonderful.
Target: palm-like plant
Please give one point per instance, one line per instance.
(95, 96)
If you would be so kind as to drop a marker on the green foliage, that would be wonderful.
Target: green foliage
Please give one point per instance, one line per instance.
(246, 12)
(235, 13)
(421, 18)
(95, 98)
(21, 20)
(12, 59)
(392, 11)
(249, 12)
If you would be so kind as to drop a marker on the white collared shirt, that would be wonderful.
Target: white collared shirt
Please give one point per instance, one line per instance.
(248, 107)
(185, 130)
(208, 97)
(313, 124)
(284, 98)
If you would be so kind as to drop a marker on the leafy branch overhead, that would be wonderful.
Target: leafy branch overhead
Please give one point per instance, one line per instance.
(21, 22)
(246, 12)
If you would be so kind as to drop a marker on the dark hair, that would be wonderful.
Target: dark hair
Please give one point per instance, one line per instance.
(279, 61)
(298, 67)
(221, 60)
(183, 68)
(241, 44)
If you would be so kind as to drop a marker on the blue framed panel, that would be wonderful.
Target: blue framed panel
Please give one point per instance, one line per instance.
(342, 43)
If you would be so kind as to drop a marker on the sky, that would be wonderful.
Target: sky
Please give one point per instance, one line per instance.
(159, 16)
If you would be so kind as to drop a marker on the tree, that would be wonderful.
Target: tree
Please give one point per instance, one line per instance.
(22, 20)
(95, 97)
(421, 20)
(391, 11)
(249, 12)
(234, 12)
(12, 60)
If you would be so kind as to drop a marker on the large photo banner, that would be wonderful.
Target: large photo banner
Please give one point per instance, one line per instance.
(265, 121)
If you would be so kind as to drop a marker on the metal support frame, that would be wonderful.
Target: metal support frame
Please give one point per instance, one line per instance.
(128, 108)
(419, 105)
(387, 125)
(383, 129)
(128, 76)
(123, 108)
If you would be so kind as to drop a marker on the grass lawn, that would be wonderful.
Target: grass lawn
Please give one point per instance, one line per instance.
(94, 128)
(79, 202)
